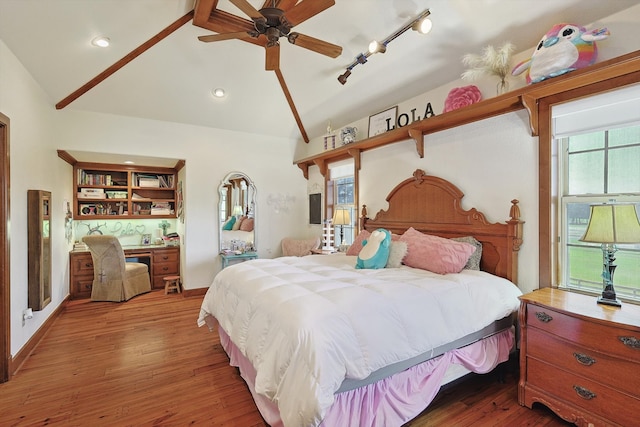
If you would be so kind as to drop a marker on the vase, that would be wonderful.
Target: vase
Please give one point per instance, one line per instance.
(502, 87)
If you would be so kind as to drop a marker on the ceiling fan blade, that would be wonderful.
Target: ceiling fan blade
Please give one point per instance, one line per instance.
(272, 61)
(249, 10)
(307, 9)
(316, 45)
(280, 4)
(224, 36)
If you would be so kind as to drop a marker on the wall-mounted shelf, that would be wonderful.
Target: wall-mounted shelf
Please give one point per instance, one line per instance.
(104, 191)
(620, 71)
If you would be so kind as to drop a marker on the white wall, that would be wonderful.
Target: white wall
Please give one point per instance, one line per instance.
(209, 154)
(34, 165)
(492, 161)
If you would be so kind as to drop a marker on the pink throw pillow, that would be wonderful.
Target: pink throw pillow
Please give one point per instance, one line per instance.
(356, 246)
(434, 253)
(247, 225)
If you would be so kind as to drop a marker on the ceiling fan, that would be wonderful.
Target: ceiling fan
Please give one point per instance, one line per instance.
(267, 26)
(273, 23)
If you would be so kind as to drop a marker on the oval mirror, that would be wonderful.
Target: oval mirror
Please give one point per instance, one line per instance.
(237, 213)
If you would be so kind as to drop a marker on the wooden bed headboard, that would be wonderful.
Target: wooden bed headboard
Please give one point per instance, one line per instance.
(432, 205)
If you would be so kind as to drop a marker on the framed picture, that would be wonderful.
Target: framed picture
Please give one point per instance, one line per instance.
(146, 239)
(378, 122)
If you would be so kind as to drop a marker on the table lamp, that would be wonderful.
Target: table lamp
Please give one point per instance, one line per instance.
(341, 217)
(610, 224)
(237, 211)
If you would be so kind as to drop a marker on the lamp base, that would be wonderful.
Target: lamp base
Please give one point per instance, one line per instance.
(608, 301)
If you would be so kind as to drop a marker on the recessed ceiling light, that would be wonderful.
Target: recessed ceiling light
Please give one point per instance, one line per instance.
(100, 41)
(218, 92)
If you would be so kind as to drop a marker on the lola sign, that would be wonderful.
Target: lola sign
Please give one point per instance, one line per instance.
(403, 119)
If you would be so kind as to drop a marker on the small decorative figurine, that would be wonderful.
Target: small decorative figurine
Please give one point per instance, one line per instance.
(348, 134)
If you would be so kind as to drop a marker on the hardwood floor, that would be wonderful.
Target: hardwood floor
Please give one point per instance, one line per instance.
(146, 363)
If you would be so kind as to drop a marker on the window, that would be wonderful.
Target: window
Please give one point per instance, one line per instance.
(341, 195)
(597, 167)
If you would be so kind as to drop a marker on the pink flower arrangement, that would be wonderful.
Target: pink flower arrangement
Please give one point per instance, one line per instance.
(461, 97)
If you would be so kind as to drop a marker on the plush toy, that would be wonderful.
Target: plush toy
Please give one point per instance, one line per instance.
(565, 48)
(375, 250)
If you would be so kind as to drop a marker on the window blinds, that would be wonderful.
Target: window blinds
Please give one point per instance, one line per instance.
(608, 110)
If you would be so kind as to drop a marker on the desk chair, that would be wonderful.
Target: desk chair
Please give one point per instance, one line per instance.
(114, 279)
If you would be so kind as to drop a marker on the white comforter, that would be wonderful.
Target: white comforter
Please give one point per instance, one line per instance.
(308, 323)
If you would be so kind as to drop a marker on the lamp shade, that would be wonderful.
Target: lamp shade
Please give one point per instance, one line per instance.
(609, 223)
(341, 217)
(237, 210)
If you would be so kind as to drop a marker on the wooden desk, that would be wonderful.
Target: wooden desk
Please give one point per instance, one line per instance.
(162, 261)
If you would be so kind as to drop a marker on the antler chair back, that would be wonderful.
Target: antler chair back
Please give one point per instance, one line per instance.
(114, 279)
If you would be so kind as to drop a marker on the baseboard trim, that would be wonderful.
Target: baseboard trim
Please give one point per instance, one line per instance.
(16, 362)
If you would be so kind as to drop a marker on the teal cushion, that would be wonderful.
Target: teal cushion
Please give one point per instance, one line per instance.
(228, 226)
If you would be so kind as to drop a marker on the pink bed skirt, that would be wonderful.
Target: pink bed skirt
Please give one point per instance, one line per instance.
(394, 400)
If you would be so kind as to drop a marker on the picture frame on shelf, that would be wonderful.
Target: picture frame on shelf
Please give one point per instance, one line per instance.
(378, 121)
(146, 239)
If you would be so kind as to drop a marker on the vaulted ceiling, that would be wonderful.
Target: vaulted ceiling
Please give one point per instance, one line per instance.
(172, 77)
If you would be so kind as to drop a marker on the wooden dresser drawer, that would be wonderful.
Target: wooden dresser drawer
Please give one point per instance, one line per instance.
(580, 358)
(82, 263)
(165, 268)
(584, 393)
(611, 371)
(606, 338)
(81, 287)
(166, 255)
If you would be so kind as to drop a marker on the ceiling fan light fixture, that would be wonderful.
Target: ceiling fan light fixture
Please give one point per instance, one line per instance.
(218, 92)
(101, 41)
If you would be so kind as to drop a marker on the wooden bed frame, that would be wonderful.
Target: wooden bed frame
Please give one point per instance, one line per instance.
(432, 205)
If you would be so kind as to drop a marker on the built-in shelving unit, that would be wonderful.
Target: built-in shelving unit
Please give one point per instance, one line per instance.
(619, 71)
(106, 191)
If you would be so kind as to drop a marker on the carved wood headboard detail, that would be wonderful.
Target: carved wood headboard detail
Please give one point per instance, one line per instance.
(433, 205)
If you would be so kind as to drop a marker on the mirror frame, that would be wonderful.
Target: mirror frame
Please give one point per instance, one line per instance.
(249, 209)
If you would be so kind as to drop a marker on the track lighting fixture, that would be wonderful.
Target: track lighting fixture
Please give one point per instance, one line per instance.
(422, 24)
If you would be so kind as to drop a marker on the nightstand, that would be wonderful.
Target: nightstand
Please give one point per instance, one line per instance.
(228, 259)
(579, 358)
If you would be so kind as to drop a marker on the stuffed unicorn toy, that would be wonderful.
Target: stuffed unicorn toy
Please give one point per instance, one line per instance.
(565, 48)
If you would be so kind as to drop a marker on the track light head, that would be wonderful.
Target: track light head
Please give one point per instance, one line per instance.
(343, 77)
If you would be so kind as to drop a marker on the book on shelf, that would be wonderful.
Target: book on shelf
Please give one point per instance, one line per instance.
(152, 180)
(91, 195)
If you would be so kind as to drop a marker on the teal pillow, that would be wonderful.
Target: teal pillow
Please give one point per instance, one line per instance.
(228, 226)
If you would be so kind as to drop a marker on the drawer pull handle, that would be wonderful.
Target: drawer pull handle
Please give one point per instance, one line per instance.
(584, 393)
(165, 257)
(583, 359)
(88, 265)
(543, 317)
(631, 342)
